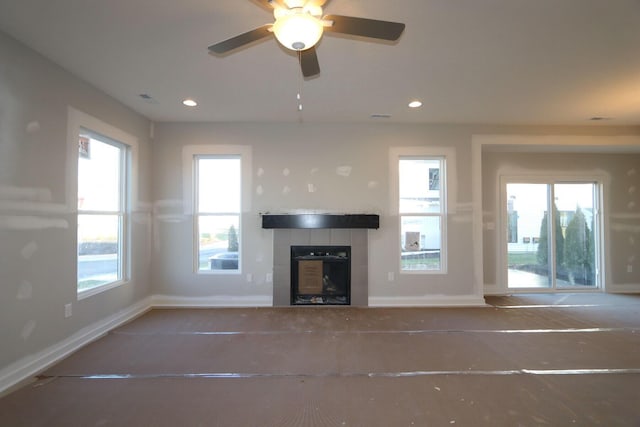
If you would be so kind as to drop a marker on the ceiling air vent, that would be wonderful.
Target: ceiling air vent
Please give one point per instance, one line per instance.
(147, 98)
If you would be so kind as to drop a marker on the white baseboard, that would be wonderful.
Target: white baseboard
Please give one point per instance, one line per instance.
(494, 289)
(29, 366)
(172, 301)
(429, 301)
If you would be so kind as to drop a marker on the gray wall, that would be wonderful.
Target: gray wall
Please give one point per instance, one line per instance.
(37, 229)
(620, 174)
(312, 154)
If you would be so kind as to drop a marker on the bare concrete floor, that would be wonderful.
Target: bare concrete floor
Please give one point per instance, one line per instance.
(529, 360)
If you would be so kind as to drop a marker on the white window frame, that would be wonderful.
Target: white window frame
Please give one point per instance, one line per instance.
(197, 214)
(448, 194)
(76, 123)
(551, 178)
(190, 154)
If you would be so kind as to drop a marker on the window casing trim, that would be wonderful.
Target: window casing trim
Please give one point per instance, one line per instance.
(190, 153)
(77, 121)
(448, 195)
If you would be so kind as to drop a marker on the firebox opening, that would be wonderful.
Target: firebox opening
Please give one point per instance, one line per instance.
(320, 275)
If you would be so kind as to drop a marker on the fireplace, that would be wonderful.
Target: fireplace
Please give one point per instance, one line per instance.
(320, 275)
(327, 230)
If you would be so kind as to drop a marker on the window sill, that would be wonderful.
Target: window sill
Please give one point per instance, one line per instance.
(417, 272)
(219, 272)
(99, 289)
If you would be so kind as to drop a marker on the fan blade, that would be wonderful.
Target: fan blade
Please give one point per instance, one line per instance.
(373, 28)
(264, 3)
(241, 40)
(309, 62)
(271, 4)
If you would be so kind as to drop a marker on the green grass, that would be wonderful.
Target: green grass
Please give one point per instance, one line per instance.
(522, 258)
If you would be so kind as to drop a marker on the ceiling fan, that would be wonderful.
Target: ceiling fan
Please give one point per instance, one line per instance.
(299, 25)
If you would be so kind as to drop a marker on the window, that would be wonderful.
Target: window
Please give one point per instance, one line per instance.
(102, 210)
(218, 208)
(422, 211)
(559, 223)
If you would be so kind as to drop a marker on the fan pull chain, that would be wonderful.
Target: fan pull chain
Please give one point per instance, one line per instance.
(300, 82)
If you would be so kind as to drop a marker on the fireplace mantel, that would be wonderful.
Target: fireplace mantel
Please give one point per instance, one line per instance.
(321, 221)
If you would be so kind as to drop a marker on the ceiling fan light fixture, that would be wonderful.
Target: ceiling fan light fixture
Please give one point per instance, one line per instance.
(298, 30)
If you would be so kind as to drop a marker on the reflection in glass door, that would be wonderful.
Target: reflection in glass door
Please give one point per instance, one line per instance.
(575, 204)
(551, 245)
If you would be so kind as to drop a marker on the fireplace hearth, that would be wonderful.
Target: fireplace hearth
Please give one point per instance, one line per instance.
(320, 275)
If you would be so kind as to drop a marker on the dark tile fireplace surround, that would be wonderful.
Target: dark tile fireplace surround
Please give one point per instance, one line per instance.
(322, 230)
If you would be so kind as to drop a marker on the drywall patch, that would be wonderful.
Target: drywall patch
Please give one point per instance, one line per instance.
(372, 185)
(260, 172)
(25, 290)
(314, 171)
(259, 190)
(344, 171)
(631, 172)
(169, 211)
(286, 172)
(631, 205)
(632, 190)
(286, 190)
(311, 188)
(27, 329)
(33, 127)
(462, 218)
(25, 194)
(28, 250)
(31, 223)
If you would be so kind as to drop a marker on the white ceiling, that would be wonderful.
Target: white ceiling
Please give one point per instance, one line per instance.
(469, 61)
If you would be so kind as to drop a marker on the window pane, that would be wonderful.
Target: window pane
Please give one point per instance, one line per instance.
(98, 250)
(576, 260)
(421, 239)
(219, 238)
(219, 185)
(528, 232)
(420, 186)
(99, 175)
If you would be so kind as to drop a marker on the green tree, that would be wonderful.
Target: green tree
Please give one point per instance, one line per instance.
(543, 243)
(579, 249)
(233, 240)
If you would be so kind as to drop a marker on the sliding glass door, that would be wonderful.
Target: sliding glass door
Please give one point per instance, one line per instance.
(551, 235)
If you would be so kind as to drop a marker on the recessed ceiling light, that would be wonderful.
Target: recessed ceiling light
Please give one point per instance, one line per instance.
(415, 104)
(190, 102)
